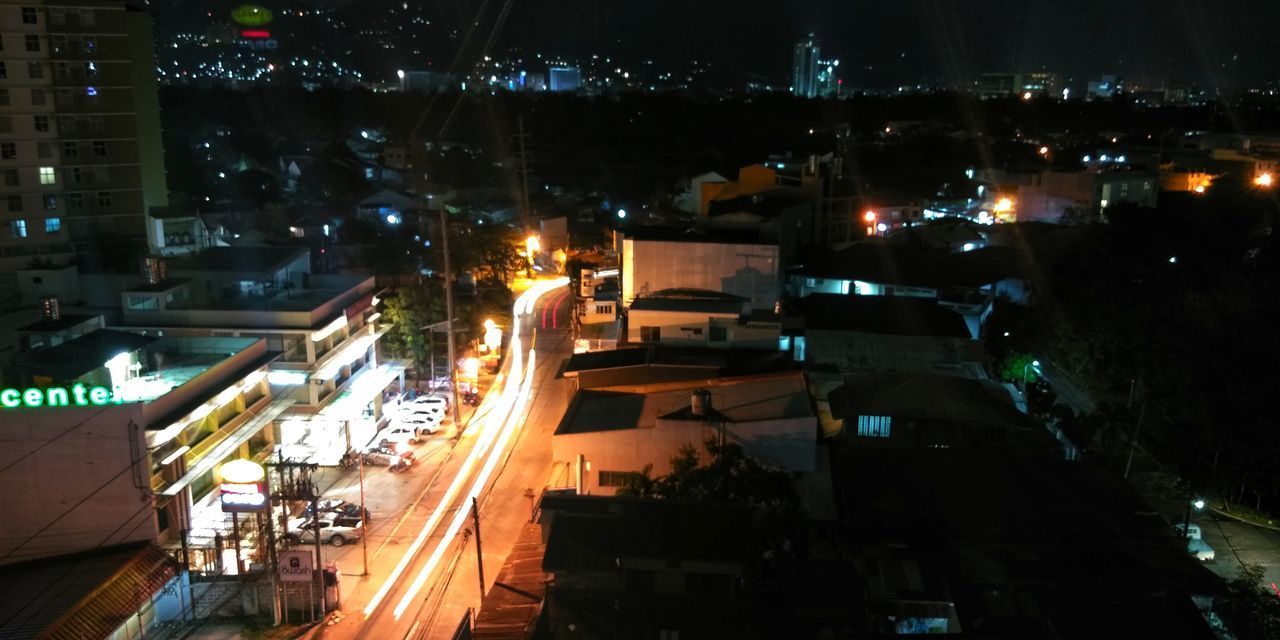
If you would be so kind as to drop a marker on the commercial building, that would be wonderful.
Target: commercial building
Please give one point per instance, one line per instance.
(324, 328)
(565, 78)
(804, 67)
(114, 437)
(80, 137)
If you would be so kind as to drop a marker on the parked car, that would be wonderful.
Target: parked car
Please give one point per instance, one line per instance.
(335, 529)
(425, 425)
(386, 456)
(1196, 546)
(437, 404)
(403, 433)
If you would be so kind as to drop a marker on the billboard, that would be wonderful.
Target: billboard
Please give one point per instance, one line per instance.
(297, 565)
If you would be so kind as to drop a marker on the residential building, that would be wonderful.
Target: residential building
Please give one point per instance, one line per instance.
(702, 318)
(804, 67)
(1054, 195)
(1104, 88)
(391, 208)
(80, 132)
(606, 433)
(924, 410)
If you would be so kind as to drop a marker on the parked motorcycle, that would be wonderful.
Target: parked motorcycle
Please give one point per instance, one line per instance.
(399, 464)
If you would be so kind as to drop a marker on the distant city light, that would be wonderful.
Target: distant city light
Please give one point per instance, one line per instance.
(622, 213)
(1086, 159)
(1120, 159)
(869, 216)
(969, 246)
(1044, 151)
(1173, 259)
(1003, 205)
(393, 218)
(882, 227)
(1026, 95)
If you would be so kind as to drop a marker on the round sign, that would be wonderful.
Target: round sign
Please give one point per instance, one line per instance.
(251, 15)
(243, 472)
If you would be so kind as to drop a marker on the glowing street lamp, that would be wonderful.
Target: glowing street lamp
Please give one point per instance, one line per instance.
(533, 245)
(1044, 151)
(1264, 180)
(492, 336)
(869, 216)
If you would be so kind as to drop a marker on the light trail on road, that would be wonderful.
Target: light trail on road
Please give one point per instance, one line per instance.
(494, 423)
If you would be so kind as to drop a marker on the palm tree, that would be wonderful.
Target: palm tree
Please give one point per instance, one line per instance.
(639, 484)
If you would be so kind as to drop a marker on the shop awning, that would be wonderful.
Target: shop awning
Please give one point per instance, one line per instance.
(229, 445)
(360, 391)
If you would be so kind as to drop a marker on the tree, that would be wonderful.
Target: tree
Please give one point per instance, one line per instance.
(639, 484)
(1249, 610)
(410, 309)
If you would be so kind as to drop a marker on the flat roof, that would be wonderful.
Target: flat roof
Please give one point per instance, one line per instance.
(66, 321)
(696, 234)
(887, 315)
(742, 399)
(239, 259)
(881, 263)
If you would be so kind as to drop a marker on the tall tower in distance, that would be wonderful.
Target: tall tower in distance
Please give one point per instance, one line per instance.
(804, 67)
(80, 142)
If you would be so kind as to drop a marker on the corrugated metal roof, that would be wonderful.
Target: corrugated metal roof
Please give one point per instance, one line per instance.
(80, 597)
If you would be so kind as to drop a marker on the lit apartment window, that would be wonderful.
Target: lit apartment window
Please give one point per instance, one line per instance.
(41, 123)
(99, 148)
(91, 69)
(90, 44)
(35, 70)
(47, 176)
(874, 426)
(28, 15)
(53, 225)
(8, 151)
(104, 199)
(18, 228)
(33, 43)
(14, 203)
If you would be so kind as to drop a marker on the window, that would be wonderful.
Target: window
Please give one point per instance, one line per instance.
(718, 334)
(33, 43)
(18, 228)
(8, 151)
(799, 354)
(66, 124)
(4, 97)
(99, 148)
(91, 92)
(11, 178)
(56, 16)
(47, 176)
(41, 123)
(70, 150)
(4, 73)
(61, 71)
(39, 97)
(86, 17)
(90, 44)
(604, 308)
(613, 478)
(697, 331)
(73, 175)
(91, 69)
(650, 334)
(97, 123)
(28, 15)
(57, 44)
(35, 70)
(53, 225)
(50, 201)
(6, 124)
(104, 199)
(44, 150)
(75, 201)
(14, 203)
(874, 426)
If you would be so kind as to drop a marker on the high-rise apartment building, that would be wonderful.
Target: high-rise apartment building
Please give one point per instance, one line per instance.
(804, 67)
(80, 141)
(565, 79)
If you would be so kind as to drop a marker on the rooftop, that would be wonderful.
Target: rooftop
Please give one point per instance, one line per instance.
(639, 406)
(883, 263)
(239, 259)
(951, 398)
(691, 301)
(66, 321)
(657, 363)
(82, 595)
(888, 315)
(695, 234)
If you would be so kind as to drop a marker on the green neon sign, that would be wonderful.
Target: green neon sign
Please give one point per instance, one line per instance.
(77, 396)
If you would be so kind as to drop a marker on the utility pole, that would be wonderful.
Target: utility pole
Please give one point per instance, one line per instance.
(296, 484)
(1133, 444)
(448, 304)
(475, 516)
(524, 172)
(364, 539)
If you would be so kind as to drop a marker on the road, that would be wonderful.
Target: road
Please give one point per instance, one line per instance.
(414, 552)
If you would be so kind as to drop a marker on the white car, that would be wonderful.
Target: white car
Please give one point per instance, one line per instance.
(335, 529)
(405, 432)
(433, 404)
(426, 424)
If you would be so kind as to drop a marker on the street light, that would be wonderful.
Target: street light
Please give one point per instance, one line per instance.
(1264, 180)
(1034, 364)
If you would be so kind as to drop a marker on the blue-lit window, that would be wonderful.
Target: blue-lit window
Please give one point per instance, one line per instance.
(53, 225)
(784, 343)
(91, 91)
(799, 353)
(874, 426)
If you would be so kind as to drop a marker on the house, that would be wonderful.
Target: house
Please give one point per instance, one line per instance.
(390, 208)
(1085, 193)
(664, 363)
(607, 433)
(920, 411)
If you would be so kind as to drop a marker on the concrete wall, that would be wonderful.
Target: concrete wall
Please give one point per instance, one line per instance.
(63, 283)
(747, 270)
(74, 480)
(677, 327)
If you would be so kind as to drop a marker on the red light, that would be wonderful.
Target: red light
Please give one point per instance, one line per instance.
(255, 33)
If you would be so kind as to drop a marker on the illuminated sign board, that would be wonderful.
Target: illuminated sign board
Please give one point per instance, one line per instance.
(244, 487)
(255, 33)
(76, 396)
(251, 15)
